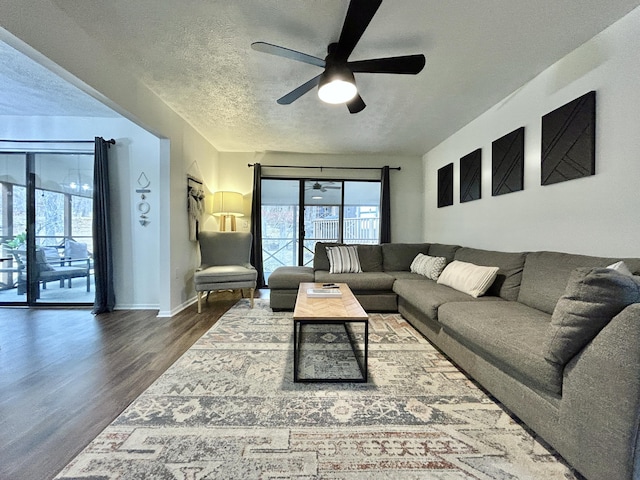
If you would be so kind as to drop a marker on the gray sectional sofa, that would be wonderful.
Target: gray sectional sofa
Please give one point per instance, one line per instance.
(585, 401)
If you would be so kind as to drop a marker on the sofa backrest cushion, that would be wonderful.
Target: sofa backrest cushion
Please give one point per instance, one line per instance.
(370, 256)
(397, 257)
(442, 250)
(510, 266)
(545, 276)
(592, 298)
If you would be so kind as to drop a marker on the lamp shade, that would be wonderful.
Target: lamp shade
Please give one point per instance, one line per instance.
(227, 203)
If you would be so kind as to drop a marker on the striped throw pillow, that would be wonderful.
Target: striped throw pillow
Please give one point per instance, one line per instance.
(344, 259)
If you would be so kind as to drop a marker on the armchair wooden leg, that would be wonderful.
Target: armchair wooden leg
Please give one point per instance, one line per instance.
(199, 302)
(251, 293)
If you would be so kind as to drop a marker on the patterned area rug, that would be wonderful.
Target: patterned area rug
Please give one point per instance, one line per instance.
(228, 409)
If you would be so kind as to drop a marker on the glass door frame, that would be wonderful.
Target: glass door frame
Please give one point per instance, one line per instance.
(302, 205)
(31, 186)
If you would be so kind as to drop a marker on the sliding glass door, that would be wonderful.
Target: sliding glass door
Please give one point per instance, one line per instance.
(298, 213)
(47, 202)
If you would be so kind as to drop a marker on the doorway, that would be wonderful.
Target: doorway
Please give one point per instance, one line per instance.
(46, 228)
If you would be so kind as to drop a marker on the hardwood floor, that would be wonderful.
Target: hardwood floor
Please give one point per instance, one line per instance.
(65, 375)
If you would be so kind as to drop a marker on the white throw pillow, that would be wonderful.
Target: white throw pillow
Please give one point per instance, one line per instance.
(468, 278)
(343, 259)
(621, 267)
(430, 267)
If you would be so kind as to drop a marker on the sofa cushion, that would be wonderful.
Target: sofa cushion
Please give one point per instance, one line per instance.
(358, 281)
(370, 257)
(397, 257)
(344, 259)
(592, 298)
(428, 296)
(320, 258)
(442, 250)
(406, 275)
(465, 277)
(427, 266)
(510, 265)
(546, 274)
(289, 278)
(509, 335)
(225, 274)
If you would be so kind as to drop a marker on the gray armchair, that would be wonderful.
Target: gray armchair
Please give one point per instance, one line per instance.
(225, 264)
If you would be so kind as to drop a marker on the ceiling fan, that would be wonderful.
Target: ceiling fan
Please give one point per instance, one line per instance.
(337, 83)
(322, 188)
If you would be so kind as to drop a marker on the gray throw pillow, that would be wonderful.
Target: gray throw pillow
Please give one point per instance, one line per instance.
(592, 298)
(41, 261)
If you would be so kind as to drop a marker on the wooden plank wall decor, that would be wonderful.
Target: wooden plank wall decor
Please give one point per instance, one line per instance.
(569, 141)
(470, 168)
(445, 185)
(507, 157)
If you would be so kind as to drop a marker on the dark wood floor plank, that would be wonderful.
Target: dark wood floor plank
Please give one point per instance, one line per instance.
(65, 375)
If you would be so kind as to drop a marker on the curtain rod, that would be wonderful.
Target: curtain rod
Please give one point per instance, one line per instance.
(321, 168)
(112, 141)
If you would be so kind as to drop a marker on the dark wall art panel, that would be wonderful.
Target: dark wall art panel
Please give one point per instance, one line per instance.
(470, 168)
(445, 185)
(569, 141)
(507, 163)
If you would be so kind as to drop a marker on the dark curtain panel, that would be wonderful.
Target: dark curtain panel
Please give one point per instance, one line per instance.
(385, 207)
(256, 224)
(102, 259)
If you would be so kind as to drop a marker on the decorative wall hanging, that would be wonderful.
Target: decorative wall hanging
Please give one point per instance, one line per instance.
(569, 141)
(507, 163)
(445, 186)
(195, 206)
(470, 168)
(143, 208)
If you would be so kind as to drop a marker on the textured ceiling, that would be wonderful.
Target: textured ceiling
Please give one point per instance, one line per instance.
(27, 88)
(196, 56)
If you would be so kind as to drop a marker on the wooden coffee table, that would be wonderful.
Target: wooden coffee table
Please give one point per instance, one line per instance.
(326, 311)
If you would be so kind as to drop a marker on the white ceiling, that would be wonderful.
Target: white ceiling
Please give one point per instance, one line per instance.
(196, 56)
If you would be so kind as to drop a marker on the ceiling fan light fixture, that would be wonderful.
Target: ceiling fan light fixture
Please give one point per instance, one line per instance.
(337, 86)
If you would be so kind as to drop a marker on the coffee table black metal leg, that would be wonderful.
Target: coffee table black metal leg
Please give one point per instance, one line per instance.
(362, 363)
(296, 350)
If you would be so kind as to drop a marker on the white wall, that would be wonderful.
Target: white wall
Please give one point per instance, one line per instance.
(406, 184)
(136, 247)
(596, 215)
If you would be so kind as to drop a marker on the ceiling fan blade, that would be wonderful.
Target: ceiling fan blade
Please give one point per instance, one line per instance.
(359, 15)
(287, 53)
(298, 92)
(406, 64)
(356, 104)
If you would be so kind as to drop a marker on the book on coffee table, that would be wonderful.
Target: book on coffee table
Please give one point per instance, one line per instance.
(324, 292)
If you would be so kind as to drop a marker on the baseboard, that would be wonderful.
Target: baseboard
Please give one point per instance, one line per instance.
(136, 306)
(178, 309)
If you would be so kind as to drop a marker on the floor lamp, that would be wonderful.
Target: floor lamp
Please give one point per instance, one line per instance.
(227, 204)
